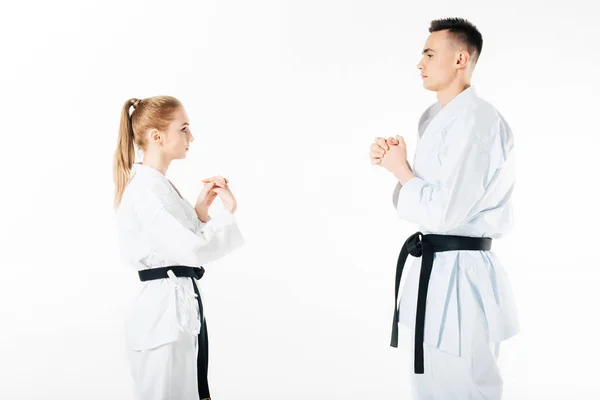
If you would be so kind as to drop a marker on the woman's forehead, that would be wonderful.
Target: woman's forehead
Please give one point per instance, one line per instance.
(180, 118)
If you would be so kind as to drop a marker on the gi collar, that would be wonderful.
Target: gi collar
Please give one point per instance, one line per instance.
(454, 108)
(144, 170)
(460, 101)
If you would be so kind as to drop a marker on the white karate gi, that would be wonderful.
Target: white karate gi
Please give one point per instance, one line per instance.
(464, 177)
(158, 228)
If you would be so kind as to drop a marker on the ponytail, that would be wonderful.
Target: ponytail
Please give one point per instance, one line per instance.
(125, 152)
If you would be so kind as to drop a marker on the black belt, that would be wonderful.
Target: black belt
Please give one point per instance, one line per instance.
(197, 273)
(418, 245)
(179, 271)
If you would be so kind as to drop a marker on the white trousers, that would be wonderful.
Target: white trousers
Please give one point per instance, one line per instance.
(472, 376)
(167, 372)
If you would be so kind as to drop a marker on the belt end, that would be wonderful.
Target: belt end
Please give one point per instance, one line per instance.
(394, 341)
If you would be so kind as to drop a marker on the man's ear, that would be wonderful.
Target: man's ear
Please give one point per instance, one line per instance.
(463, 59)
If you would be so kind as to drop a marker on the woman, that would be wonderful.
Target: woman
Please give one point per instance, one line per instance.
(168, 241)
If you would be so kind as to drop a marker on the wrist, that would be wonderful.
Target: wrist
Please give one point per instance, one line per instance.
(202, 214)
(403, 173)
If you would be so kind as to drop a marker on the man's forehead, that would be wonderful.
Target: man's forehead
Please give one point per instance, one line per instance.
(436, 40)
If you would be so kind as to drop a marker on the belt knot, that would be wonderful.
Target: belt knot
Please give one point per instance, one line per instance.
(414, 244)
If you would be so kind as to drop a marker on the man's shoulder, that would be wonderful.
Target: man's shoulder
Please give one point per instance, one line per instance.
(488, 124)
(486, 114)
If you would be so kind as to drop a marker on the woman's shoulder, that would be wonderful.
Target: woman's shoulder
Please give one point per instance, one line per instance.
(148, 196)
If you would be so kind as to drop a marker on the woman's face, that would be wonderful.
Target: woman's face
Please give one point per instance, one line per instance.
(178, 136)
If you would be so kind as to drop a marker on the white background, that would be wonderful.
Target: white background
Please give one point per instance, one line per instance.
(285, 98)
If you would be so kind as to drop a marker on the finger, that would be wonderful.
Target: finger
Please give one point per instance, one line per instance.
(221, 179)
(207, 188)
(376, 154)
(392, 141)
(214, 178)
(210, 185)
(381, 142)
(218, 181)
(375, 149)
(375, 161)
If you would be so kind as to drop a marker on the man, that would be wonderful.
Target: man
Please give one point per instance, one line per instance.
(457, 301)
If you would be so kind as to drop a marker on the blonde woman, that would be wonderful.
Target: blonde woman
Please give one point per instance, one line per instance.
(168, 241)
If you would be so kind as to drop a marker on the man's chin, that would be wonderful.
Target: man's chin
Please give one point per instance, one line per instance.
(429, 87)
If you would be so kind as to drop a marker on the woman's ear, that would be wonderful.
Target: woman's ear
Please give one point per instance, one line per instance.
(156, 137)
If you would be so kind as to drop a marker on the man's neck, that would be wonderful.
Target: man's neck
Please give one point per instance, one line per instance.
(446, 95)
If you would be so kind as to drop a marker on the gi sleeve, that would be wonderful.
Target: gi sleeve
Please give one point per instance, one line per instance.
(211, 240)
(396, 194)
(466, 172)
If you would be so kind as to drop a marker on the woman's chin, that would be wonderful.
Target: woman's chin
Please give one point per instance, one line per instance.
(181, 156)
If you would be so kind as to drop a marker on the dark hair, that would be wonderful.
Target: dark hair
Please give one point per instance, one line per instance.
(462, 31)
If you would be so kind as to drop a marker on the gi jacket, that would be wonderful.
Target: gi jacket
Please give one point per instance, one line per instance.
(464, 178)
(158, 228)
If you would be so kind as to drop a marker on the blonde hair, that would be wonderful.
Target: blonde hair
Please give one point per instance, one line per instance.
(150, 113)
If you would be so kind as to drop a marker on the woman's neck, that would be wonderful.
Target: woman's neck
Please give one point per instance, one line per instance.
(157, 162)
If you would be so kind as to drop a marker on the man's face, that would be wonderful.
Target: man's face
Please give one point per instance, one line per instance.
(438, 65)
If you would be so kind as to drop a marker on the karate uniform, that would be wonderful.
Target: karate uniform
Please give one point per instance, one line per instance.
(158, 228)
(464, 177)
